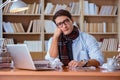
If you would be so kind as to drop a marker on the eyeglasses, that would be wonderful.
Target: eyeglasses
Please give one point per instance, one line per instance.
(60, 24)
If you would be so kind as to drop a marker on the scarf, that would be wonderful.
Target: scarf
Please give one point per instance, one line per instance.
(65, 46)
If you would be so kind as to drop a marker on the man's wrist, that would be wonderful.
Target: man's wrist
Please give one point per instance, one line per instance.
(85, 63)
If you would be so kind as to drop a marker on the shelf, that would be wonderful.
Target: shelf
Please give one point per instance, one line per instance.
(53, 14)
(107, 33)
(101, 15)
(7, 14)
(22, 33)
(110, 52)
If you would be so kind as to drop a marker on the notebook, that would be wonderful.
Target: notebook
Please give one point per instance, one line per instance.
(23, 60)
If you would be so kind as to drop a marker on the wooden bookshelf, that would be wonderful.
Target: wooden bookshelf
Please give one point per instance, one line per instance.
(119, 23)
(33, 13)
(0, 20)
(103, 22)
(79, 17)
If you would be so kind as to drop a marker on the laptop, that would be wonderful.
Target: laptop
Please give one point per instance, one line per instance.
(23, 60)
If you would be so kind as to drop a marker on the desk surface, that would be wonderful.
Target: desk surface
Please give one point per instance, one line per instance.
(85, 74)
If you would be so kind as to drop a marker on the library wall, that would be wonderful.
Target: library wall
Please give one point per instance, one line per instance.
(99, 18)
(0, 20)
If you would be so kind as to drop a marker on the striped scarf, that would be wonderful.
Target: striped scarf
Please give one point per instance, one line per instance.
(65, 46)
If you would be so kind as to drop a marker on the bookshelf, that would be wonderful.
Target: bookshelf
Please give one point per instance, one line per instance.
(119, 23)
(101, 19)
(0, 20)
(24, 18)
(79, 15)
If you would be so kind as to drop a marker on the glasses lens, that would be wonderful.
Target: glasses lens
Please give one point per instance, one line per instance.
(66, 21)
(60, 24)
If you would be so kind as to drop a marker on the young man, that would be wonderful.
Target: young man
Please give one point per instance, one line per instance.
(72, 47)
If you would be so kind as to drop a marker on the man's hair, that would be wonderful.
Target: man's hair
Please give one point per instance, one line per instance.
(62, 13)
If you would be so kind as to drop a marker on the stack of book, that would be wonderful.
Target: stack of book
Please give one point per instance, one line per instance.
(5, 58)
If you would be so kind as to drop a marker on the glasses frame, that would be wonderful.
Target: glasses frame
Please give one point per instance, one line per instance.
(65, 22)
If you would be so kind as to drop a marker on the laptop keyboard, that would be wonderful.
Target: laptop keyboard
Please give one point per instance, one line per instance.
(41, 65)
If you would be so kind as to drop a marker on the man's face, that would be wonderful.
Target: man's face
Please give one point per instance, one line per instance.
(65, 24)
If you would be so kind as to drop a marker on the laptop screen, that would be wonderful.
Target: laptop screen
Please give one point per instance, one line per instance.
(21, 56)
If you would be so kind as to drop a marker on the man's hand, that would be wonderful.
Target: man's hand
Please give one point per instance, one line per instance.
(57, 32)
(74, 63)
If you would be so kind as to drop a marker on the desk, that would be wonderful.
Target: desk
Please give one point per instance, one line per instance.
(15, 74)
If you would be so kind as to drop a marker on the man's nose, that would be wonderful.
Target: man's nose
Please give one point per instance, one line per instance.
(64, 24)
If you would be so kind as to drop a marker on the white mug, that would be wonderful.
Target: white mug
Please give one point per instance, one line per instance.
(111, 64)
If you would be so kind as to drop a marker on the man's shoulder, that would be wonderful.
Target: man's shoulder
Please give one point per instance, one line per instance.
(50, 39)
(85, 35)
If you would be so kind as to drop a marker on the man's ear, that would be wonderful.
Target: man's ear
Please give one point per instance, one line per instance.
(72, 20)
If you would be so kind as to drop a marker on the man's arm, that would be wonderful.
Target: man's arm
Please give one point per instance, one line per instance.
(90, 62)
(95, 54)
(54, 48)
(54, 45)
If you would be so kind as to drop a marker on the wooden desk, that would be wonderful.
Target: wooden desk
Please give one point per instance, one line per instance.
(15, 74)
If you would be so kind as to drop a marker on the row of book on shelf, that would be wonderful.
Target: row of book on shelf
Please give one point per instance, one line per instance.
(13, 27)
(34, 26)
(33, 45)
(6, 41)
(99, 27)
(72, 7)
(34, 8)
(36, 45)
(110, 44)
(93, 9)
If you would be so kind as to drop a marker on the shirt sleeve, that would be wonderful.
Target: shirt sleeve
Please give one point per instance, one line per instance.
(47, 56)
(93, 48)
